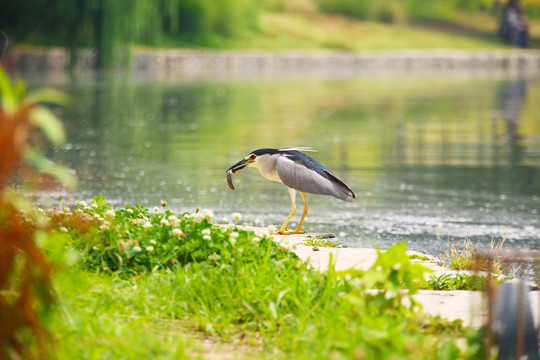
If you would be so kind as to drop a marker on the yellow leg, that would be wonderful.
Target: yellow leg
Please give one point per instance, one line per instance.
(282, 231)
(297, 231)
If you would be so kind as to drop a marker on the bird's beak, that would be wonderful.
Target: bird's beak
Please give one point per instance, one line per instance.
(233, 169)
(239, 166)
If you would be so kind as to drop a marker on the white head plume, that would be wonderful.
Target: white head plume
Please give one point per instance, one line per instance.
(299, 149)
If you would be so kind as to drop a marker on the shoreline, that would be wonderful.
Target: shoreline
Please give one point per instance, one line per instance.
(214, 62)
(470, 307)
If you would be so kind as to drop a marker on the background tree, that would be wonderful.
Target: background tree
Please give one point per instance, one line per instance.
(112, 26)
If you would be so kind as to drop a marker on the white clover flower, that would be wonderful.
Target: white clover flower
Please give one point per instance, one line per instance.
(153, 241)
(82, 203)
(234, 235)
(197, 217)
(63, 228)
(66, 209)
(156, 209)
(237, 217)
(208, 214)
(97, 217)
(207, 237)
(231, 226)
(149, 248)
(206, 231)
(178, 233)
(187, 216)
(94, 206)
(95, 248)
(130, 211)
(110, 213)
(256, 239)
(105, 226)
(272, 229)
(137, 248)
(165, 222)
(175, 222)
(147, 225)
(225, 220)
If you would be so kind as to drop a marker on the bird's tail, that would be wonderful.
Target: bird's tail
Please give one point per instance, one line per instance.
(342, 190)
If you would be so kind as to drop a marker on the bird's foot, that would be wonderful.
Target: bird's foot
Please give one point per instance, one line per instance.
(285, 232)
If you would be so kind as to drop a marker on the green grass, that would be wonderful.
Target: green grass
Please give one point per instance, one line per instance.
(420, 257)
(255, 297)
(451, 282)
(96, 321)
(322, 242)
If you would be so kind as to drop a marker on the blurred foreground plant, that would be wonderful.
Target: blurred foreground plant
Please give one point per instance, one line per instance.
(25, 273)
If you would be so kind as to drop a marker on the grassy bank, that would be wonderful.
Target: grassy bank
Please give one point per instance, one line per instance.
(280, 31)
(285, 31)
(152, 283)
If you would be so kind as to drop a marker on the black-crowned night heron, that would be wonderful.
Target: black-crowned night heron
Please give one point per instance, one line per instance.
(297, 171)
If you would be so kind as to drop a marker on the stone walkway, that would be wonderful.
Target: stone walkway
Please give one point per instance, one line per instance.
(163, 62)
(469, 306)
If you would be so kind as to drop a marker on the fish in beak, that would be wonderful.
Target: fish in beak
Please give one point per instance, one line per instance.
(233, 169)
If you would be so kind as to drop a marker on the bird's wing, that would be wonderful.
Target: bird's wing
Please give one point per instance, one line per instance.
(302, 173)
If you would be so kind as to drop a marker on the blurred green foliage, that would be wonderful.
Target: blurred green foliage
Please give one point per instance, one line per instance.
(111, 26)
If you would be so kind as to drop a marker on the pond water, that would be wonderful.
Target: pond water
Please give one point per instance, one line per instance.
(434, 158)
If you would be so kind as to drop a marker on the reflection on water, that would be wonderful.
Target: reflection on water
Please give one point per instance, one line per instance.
(432, 158)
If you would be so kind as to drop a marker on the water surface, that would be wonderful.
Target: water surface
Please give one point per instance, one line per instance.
(433, 158)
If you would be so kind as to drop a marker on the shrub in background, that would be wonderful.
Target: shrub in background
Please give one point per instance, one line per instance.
(354, 8)
(389, 12)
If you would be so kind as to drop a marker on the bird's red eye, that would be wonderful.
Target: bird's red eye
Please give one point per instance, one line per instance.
(252, 156)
